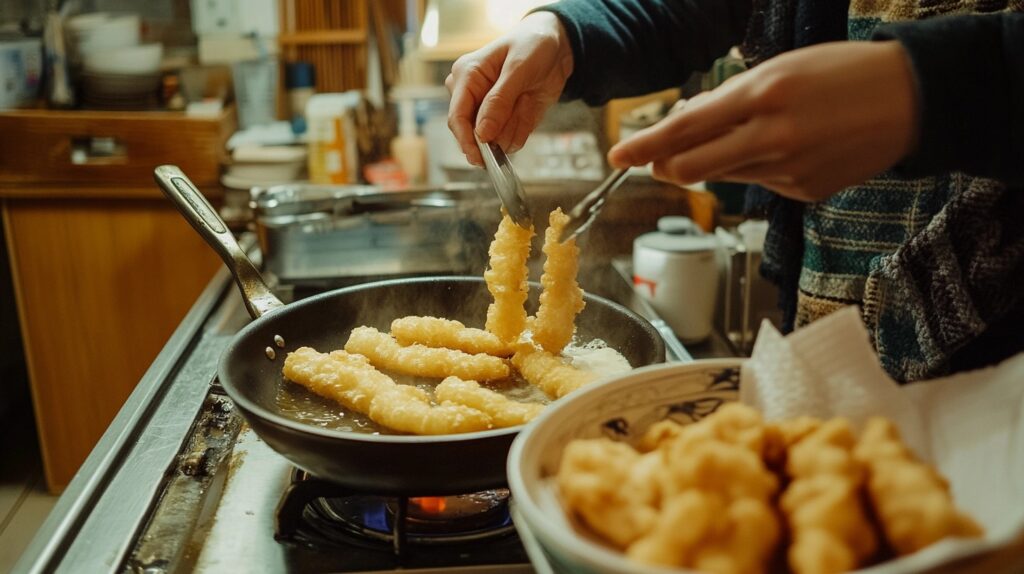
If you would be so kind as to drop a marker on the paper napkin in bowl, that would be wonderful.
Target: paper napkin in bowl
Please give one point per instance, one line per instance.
(970, 426)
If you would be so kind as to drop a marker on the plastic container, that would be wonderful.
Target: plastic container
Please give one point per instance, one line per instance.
(331, 135)
(409, 148)
(255, 91)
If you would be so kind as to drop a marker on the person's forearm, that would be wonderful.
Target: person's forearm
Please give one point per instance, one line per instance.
(970, 78)
(630, 47)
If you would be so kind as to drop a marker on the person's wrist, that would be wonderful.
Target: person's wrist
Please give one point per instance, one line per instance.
(552, 26)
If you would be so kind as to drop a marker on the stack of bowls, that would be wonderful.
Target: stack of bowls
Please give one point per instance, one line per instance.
(117, 70)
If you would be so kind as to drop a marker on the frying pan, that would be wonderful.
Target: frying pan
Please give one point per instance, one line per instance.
(250, 368)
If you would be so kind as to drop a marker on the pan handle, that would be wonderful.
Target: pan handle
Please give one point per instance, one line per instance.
(259, 300)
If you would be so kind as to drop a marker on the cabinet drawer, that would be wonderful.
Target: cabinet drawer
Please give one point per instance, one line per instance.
(116, 148)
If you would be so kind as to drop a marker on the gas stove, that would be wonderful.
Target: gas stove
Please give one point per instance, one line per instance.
(180, 483)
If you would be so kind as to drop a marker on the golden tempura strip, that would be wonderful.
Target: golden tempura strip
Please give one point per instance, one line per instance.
(910, 498)
(822, 504)
(445, 333)
(549, 373)
(352, 381)
(420, 361)
(506, 280)
(504, 412)
(561, 298)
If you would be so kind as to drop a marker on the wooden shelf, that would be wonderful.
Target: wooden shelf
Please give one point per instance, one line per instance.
(39, 146)
(323, 37)
(104, 267)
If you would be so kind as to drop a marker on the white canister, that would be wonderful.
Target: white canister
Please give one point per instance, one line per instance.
(676, 270)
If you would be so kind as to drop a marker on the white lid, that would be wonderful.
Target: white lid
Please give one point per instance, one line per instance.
(679, 235)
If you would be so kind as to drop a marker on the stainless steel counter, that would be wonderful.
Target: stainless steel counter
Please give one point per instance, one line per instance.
(94, 522)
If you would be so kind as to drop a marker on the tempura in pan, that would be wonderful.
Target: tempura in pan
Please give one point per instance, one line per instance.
(420, 361)
(352, 381)
(548, 372)
(561, 298)
(506, 280)
(445, 333)
(504, 412)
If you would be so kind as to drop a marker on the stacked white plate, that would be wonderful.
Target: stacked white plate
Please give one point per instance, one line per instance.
(117, 70)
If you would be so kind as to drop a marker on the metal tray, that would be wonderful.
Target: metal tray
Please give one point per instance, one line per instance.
(316, 233)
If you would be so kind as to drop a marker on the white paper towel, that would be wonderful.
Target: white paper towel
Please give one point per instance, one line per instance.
(970, 426)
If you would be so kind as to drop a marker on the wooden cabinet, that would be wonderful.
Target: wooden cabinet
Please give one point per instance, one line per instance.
(104, 267)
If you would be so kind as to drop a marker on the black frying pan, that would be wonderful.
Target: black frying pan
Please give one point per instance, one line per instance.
(381, 464)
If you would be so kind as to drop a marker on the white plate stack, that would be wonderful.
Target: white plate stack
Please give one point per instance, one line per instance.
(117, 70)
(263, 166)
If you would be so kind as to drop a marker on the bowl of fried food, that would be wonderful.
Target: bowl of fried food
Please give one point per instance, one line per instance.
(663, 470)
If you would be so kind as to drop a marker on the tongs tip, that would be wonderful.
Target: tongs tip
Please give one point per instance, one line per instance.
(585, 212)
(506, 184)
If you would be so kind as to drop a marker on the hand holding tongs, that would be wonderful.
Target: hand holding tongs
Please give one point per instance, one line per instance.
(585, 212)
(509, 189)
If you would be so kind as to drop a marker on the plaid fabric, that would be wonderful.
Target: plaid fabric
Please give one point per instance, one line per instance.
(889, 244)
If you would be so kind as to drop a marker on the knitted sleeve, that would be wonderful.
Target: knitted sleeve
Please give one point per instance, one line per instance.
(970, 78)
(630, 47)
(951, 298)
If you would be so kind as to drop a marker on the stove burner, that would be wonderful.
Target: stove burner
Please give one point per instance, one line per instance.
(325, 514)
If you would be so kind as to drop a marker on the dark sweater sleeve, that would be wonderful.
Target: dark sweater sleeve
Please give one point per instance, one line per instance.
(969, 71)
(629, 47)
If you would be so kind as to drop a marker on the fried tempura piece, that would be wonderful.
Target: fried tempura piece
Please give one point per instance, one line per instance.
(698, 529)
(504, 412)
(658, 434)
(506, 280)
(547, 372)
(717, 514)
(781, 435)
(352, 381)
(417, 360)
(561, 298)
(732, 423)
(445, 333)
(604, 484)
(910, 498)
(822, 505)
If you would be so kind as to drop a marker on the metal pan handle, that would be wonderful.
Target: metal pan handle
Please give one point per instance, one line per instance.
(259, 300)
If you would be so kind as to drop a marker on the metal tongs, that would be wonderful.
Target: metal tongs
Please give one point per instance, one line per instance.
(585, 212)
(508, 186)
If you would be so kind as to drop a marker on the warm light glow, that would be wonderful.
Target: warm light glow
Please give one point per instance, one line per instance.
(503, 14)
(430, 504)
(429, 32)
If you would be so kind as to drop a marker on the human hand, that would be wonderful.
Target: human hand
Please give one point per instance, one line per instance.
(504, 88)
(805, 124)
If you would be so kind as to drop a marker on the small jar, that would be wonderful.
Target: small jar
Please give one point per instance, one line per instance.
(300, 82)
(676, 270)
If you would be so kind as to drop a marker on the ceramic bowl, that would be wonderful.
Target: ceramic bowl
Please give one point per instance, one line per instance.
(103, 30)
(620, 408)
(143, 59)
